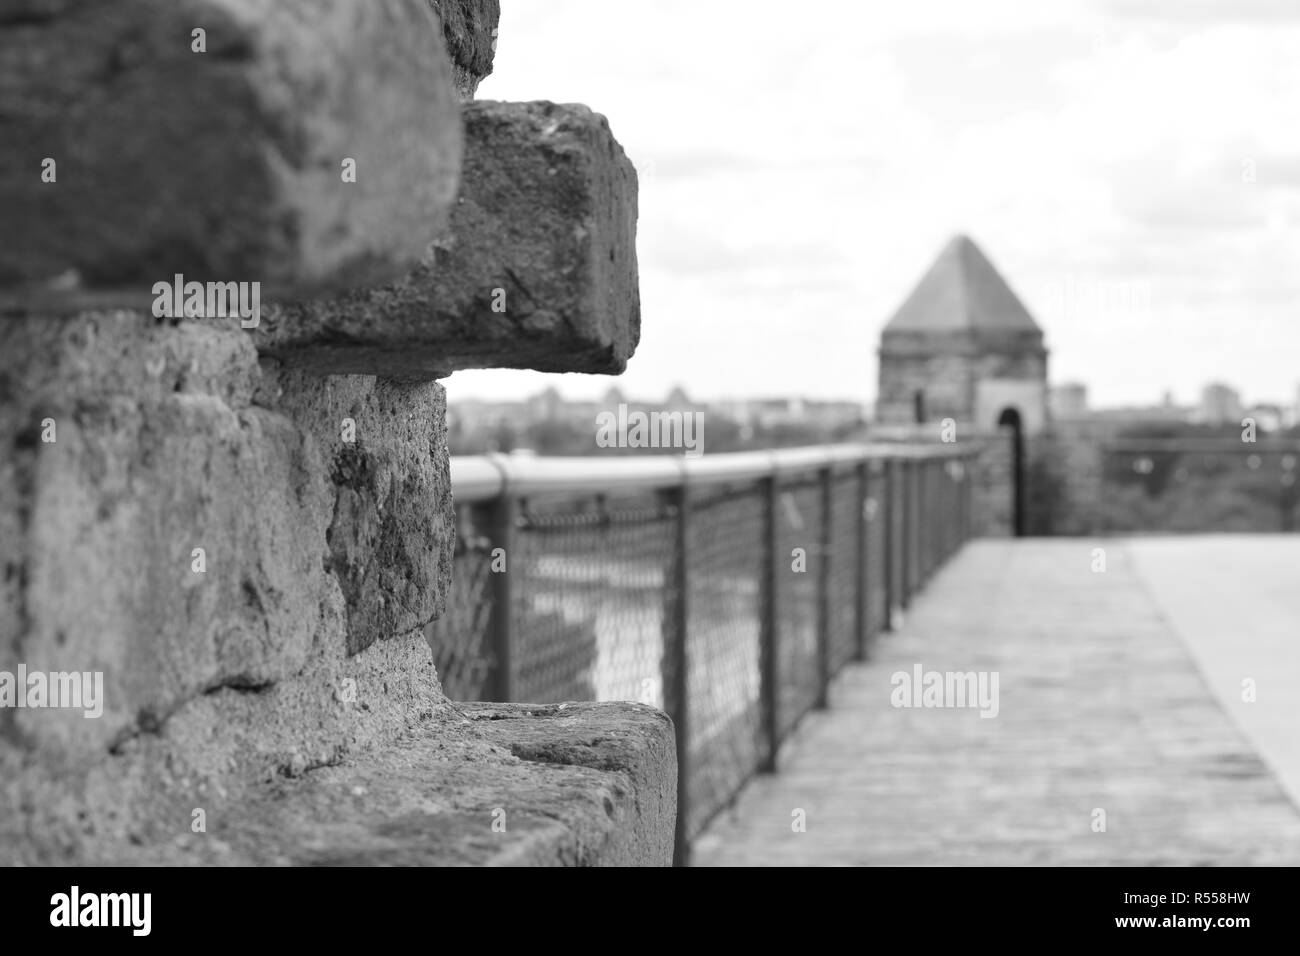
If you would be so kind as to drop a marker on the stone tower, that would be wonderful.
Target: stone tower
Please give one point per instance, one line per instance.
(963, 346)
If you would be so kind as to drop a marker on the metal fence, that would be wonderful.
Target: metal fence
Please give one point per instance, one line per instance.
(727, 590)
(1152, 485)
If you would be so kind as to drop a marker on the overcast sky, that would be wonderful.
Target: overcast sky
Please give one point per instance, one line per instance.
(1131, 166)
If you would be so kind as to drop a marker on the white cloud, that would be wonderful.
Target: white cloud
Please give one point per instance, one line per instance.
(801, 165)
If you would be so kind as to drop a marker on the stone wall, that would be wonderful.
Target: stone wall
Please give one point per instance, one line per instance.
(244, 522)
(946, 368)
(993, 491)
(990, 474)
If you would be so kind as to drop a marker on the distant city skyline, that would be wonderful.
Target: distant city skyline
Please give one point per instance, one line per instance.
(1131, 167)
(545, 382)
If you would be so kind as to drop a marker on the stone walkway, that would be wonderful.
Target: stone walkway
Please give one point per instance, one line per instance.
(1234, 600)
(1101, 706)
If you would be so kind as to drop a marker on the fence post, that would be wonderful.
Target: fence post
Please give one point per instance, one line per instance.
(887, 514)
(943, 529)
(923, 506)
(1286, 502)
(968, 503)
(958, 490)
(960, 502)
(502, 521)
(934, 519)
(768, 637)
(918, 502)
(905, 535)
(943, 518)
(918, 506)
(914, 541)
(675, 665)
(929, 515)
(824, 589)
(958, 520)
(963, 532)
(938, 479)
(861, 585)
(923, 523)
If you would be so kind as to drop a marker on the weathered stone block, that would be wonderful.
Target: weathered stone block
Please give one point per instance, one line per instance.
(469, 28)
(383, 446)
(470, 784)
(538, 269)
(179, 520)
(631, 740)
(225, 164)
(576, 784)
(993, 492)
(248, 551)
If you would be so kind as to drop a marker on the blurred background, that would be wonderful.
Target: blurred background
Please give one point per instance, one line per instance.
(1073, 230)
(1132, 168)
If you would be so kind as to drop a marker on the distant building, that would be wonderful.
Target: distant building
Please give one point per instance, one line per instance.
(1268, 418)
(963, 346)
(776, 412)
(677, 400)
(1124, 415)
(1069, 401)
(552, 421)
(1220, 405)
(546, 405)
(771, 412)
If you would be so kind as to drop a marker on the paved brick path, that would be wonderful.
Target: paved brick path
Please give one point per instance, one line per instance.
(1101, 706)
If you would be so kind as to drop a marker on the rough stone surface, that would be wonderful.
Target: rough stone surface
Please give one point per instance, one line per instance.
(214, 752)
(246, 550)
(567, 784)
(630, 740)
(287, 691)
(545, 229)
(170, 438)
(224, 165)
(469, 28)
(993, 490)
(391, 513)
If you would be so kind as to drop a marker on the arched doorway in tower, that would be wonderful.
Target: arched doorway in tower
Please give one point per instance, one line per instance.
(1011, 416)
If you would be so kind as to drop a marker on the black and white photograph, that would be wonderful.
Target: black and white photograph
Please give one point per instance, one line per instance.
(650, 434)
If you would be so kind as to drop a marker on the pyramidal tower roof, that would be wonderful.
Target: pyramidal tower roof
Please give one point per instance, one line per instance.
(962, 290)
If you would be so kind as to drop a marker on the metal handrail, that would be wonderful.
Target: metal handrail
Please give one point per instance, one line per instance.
(915, 510)
(1197, 445)
(476, 478)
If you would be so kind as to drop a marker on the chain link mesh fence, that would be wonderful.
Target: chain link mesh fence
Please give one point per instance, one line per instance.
(589, 601)
(460, 638)
(896, 515)
(724, 623)
(799, 564)
(594, 602)
(877, 518)
(846, 523)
